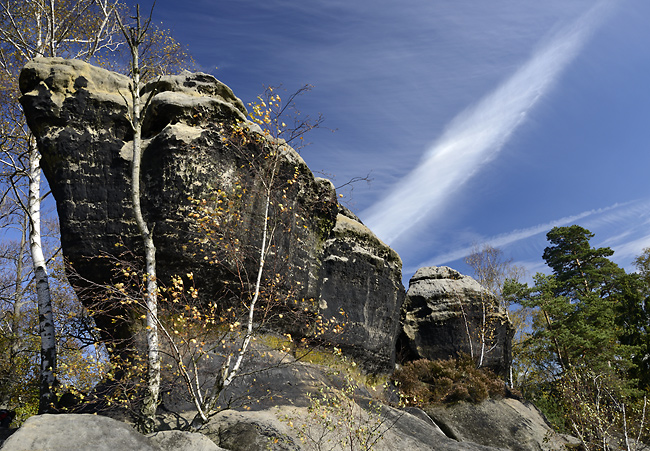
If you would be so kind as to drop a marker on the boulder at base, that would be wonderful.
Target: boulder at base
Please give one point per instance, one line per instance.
(503, 423)
(77, 432)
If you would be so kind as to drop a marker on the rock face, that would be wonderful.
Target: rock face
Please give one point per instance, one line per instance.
(78, 114)
(443, 315)
(356, 266)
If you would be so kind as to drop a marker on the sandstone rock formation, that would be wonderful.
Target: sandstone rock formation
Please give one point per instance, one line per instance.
(78, 114)
(321, 252)
(446, 313)
(504, 424)
(351, 254)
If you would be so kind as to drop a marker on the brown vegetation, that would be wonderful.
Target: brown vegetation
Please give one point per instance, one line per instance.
(424, 382)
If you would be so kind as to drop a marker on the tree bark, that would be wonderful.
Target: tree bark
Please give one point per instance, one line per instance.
(134, 38)
(47, 397)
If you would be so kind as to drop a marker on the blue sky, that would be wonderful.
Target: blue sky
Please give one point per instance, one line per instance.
(479, 122)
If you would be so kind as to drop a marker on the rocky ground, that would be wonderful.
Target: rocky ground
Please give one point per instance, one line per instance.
(299, 405)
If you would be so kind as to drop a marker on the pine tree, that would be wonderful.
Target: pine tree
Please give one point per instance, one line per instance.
(580, 303)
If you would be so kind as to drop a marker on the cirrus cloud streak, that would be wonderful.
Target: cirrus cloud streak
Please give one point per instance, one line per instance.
(477, 135)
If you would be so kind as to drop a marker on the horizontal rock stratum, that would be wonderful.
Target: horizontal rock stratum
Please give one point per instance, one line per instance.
(78, 114)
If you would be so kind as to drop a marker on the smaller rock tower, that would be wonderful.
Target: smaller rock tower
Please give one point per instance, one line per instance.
(446, 313)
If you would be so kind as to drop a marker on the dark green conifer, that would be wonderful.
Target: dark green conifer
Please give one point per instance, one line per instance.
(580, 303)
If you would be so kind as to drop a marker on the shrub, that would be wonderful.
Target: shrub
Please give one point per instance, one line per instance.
(423, 382)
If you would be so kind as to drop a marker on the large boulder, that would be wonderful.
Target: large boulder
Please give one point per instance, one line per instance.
(446, 313)
(294, 429)
(502, 423)
(80, 432)
(78, 114)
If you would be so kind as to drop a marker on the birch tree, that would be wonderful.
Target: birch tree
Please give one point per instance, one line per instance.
(74, 28)
(135, 36)
(258, 142)
(492, 270)
(264, 142)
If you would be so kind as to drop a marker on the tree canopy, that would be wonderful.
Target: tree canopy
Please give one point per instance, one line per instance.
(580, 303)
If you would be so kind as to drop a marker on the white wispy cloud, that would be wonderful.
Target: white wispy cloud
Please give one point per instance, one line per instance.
(627, 243)
(509, 238)
(476, 136)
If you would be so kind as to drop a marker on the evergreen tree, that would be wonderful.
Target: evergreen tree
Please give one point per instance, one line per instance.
(634, 323)
(579, 268)
(580, 303)
(589, 340)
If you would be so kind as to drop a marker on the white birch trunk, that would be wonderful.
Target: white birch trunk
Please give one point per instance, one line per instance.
(47, 398)
(151, 295)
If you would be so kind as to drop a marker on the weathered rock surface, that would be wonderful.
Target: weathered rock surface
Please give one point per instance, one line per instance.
(274, 410)
(232, 430)
(442, 316)
(78, 432)
(358, 267)
(78, 114)
(183, 441)
(269, 429)
(504, 424)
